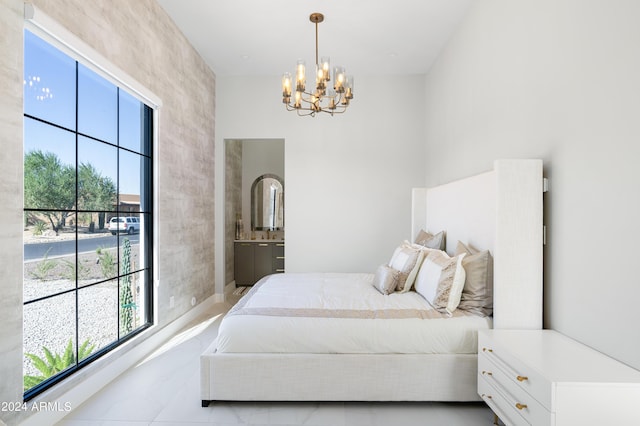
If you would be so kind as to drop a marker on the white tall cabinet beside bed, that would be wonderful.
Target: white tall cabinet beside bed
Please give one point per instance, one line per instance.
(500, 210)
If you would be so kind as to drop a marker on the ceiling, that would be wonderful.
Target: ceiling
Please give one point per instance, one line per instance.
(267, 37)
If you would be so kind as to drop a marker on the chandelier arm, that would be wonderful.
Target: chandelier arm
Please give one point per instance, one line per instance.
(311, 113)
(340, 109)
(290, 107)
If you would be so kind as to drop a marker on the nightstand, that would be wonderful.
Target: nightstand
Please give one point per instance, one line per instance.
(541, 377)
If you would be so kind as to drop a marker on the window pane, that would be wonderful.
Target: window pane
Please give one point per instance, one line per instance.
(131, 115)
(97, 106)
(49, 83)
(131, 167)
(97, 257)
(97, 175)
(97, 316)
(49, 167)
(49, 259)
(44, 137)
(49, 325)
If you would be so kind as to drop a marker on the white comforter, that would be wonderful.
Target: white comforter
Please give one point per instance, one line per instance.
(341, 313)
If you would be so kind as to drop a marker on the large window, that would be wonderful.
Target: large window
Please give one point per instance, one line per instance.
(88, 233)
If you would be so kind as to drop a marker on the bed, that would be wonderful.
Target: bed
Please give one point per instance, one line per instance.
(341, 324)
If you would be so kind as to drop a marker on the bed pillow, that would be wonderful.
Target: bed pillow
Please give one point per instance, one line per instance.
(477, 294)
(386, 279)
(430, 240)
(407, 259)
(440, 280)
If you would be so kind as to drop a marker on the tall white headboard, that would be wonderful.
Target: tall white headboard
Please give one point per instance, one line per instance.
(500, 210)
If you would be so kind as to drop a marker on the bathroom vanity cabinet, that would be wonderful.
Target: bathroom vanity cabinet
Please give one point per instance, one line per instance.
(254, 259)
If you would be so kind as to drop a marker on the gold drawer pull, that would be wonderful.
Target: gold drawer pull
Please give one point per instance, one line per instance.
(263, 245)
(520, 406)
(488, 396)
(279, 270)
(487, 350)
(522, 379)
(279, 245)
(488, 373)
(279, 257)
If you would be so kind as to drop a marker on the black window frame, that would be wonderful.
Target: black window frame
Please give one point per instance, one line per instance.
(147, 192)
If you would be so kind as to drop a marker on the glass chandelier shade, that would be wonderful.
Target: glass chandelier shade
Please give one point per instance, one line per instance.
(330, 94)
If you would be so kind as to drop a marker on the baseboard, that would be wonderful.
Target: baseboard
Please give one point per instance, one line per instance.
(228, 289)
(101, 372)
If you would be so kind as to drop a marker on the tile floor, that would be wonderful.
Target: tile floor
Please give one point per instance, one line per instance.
(164, 389)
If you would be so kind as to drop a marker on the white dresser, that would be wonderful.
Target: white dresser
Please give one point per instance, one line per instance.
(541, 377)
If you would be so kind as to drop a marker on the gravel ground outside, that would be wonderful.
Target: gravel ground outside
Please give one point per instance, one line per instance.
(51, 322)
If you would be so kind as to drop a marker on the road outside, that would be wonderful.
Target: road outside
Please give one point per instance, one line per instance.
(36, 247)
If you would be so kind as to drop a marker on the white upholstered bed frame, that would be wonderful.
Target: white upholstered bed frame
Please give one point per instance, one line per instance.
(500, 210)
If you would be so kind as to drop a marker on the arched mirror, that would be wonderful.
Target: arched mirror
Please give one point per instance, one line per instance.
(267, 203)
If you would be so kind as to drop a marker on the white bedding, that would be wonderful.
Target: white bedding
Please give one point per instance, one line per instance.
(341, 313)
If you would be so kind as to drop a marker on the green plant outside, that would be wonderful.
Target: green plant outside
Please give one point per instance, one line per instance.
(44, 266)
(107, 261)
(39, 227)
(70, 270)
(126, 298)
(54, 363)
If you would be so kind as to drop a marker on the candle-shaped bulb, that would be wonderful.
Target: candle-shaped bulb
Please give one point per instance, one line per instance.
(286, 84)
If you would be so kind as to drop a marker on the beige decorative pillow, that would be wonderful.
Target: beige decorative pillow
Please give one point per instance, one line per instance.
(477, 294)
(386, 279)
(407, 259)
(441, 279)
(429, 240)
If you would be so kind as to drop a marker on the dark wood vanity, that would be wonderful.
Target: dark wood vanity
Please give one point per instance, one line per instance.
(254, 259)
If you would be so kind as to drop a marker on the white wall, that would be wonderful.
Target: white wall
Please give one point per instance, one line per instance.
(348, 177)
(558, 80)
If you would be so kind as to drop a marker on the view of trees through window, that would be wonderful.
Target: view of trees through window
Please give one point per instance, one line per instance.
(87, 214)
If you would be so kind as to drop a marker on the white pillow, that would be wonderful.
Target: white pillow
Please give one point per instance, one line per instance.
(386, 279)
(477, 295)
(441, 280)
(407, 259)
(430, 240)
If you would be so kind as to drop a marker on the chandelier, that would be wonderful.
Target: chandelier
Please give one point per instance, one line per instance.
(332, 98)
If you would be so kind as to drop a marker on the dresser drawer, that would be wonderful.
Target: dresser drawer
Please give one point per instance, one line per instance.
(512, 370)
(514, 395)
(498, 404)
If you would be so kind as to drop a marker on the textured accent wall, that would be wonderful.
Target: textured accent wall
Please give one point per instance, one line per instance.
(11, 22)
(138, 37)
(233, 202)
